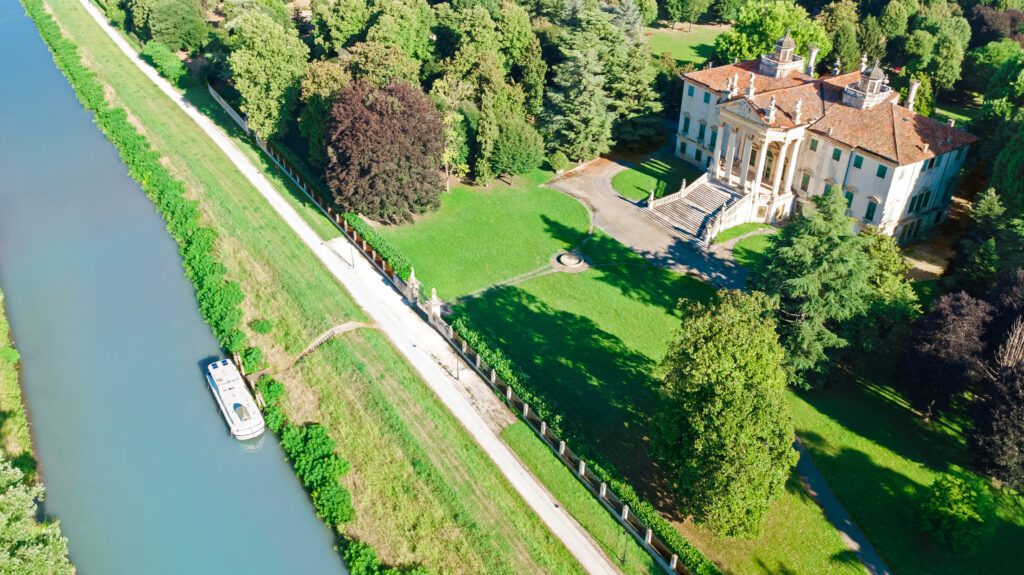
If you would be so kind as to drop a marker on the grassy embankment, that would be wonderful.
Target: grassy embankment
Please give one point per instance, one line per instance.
(423, 492)
(15, 440)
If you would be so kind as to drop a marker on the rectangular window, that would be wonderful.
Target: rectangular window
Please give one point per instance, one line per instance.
(869, 214)
(814, 145)
(700, 132)
(858, 161)
(698, 155)
(689, 91)
(805, 181)
(836, 154)
(913, 204)
(714, 138)
(927, 200)
(707, 97)
(849, 199)
(682, 149)
(686, 125)
(881, 171)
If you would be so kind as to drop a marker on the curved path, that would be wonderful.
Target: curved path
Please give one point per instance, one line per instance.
(410, 335)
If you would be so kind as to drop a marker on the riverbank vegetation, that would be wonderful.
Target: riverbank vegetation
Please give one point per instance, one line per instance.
(422, 491)
(27, 546)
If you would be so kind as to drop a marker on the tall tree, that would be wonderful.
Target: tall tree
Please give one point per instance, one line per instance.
(761, 23)
(822, 274)
(531, 72)
(27, 547)
(384, 149)
(268, 63)
(382, 64)
(323, 81)
(338, 24)
(727, 428)
(633, 99)
(997, 439)
(577, 119)
(178, 23)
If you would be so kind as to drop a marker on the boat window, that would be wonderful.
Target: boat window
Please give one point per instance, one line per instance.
(242, 412)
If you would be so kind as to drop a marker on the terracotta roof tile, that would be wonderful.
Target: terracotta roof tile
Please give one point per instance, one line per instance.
(717, 78)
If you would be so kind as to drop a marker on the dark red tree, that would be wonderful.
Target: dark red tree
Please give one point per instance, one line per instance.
(384, 149)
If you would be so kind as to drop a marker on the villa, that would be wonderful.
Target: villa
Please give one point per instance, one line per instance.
(771, 135)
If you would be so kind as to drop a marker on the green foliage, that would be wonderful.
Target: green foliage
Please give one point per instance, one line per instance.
(404, 23)
(268, 62)
(985, 61)
(558, 162)
(272, 392)
(386, 249)
(262, 326)
(577, 120)
(252, 359)
(323, 80)
(219, 299)
(311, 451)
(821, 273)
(519, 148)
(727, 428)
(361, 559)
(382, 64)
(164, 60)
(762, 22)
(338, 24)
(955, 508)
(633, 99)
(26, 546)
(531, 71)
(178, 24)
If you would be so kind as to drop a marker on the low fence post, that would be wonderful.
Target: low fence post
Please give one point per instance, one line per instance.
(526, 410)
(625, 512)
(561, 448)
(543, 428)
(674, 562)
(603, 490)
(648, 535)
(508, 392)
(582, 468)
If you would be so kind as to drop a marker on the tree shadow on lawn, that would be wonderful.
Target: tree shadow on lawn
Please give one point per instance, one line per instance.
(604, 391)
(890, 502)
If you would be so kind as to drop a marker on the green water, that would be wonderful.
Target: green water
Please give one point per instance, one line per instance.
(138, 464)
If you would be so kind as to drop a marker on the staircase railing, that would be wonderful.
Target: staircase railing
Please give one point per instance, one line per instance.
(653, 202)
(724, 216)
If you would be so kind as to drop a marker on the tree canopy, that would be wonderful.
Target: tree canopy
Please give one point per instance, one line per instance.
(27, 547)
(761, 23)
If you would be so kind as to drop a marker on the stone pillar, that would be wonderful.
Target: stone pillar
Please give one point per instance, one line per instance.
(435, 305)
(412, 287)
(780, 161)
(716, 168)
(791, 170)
(748, 147)
(762, 154)
(730, 155)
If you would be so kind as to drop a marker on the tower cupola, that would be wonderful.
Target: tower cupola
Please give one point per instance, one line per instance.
(870, 89)
(783, 59)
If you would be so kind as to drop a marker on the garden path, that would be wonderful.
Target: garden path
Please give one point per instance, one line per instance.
(622, 219)
(410, 335)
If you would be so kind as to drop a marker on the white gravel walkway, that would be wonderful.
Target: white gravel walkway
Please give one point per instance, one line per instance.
(417, 341)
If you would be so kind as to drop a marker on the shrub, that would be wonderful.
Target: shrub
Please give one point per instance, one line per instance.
(519, 148)
(164, 60)
(361, 559)
(558, 162)
(311, 451)
(9, 355)
(178, 24)
(261, 325)
(955, 508)
(252, 359)
(386, 249)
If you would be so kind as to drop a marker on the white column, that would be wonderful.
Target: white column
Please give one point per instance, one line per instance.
(730, 154)
(759, 167)
(748, 146)
(715, 165)
(791, 170)
(780, 162)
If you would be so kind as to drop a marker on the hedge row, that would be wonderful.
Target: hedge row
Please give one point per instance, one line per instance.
(219, 299)
(516, 378)
(387, 250)
(164, 60)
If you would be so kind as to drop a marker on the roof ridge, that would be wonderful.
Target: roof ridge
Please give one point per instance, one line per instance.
(895, 133)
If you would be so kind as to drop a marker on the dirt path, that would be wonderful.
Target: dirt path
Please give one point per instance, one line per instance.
(412, 337)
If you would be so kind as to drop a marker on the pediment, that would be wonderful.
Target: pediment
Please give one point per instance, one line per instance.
(743, 109)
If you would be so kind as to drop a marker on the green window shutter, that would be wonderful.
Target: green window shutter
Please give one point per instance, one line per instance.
(707, 97)
(858, 161)
(805, 181)
(869, 214)
(814, 145)
(689, 91)
(682, 149)
(698, 155)
(914, 203)
(714, 138)
(836, 154)
(849, 199)
(881, 171)
(686, 125)
(700, 132)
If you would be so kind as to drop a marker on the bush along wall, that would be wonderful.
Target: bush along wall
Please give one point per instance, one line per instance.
(517, 379)
(309, 447)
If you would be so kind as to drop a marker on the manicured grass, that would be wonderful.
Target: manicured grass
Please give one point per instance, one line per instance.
(482, 236)
(750, 251)
(694, 46)
(663, 172)
(737, 231)
(878, 457)
(424, 492)
(15, 441)
(590, 343)
(579, 502)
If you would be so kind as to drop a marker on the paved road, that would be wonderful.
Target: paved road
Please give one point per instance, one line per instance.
(417, 341)
(620, 218)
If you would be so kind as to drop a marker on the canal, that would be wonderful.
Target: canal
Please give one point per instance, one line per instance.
(137, 462)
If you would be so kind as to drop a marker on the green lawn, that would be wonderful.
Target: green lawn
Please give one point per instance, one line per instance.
(590, 343)
(663, 172)
(737, 231)
(423, 491)
(750, 251)
(877, 457)
(482, 236)
(695, 46)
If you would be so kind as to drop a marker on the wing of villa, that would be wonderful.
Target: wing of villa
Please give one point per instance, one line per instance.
(770, 134)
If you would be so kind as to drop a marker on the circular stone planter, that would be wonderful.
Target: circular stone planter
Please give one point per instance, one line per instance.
(570, 262)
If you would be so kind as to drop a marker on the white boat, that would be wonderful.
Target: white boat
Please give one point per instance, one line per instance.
(235, 402)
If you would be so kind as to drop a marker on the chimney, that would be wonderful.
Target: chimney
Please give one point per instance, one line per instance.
(829, 132)
(911, 94)
(863, 62)
(771, 110)
(811, 60)
(952, 122)
(925, 148)
(750, 87)
(797, 110)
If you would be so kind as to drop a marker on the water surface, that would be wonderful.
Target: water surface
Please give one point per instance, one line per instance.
(136, 459)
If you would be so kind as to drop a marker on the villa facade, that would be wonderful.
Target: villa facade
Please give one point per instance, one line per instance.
(770, 134)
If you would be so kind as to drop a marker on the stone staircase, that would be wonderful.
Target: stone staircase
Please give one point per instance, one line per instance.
(689, 211)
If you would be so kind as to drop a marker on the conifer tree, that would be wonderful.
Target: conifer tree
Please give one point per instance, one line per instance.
(577, 119)
(821, 273)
